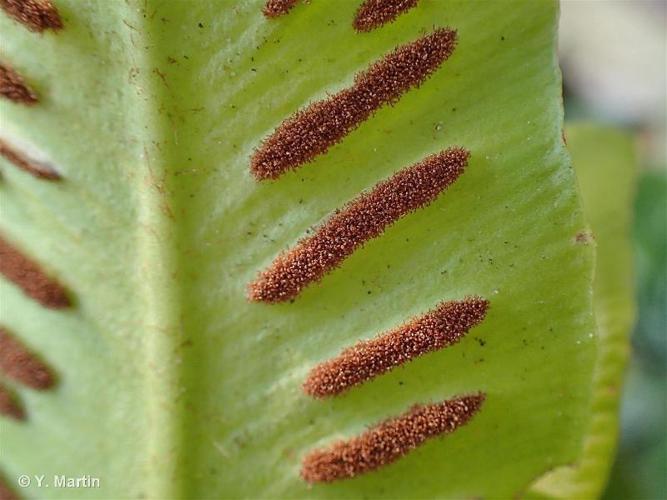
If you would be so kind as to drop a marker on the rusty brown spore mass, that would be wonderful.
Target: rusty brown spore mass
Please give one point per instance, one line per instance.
(389, 441)
(13, 87)
(19, 363)
(36, 15)
(7, 493)
(375, 13)
(29, 276)
(9, 407)
(277, 8)
(364, 218)
(441, 327)
(38, 169)
(313, 130)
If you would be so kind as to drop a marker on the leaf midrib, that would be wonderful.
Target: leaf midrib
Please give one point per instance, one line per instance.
(157, 270)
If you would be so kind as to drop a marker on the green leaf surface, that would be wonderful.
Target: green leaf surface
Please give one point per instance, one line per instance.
(172, 384)
(605, 162)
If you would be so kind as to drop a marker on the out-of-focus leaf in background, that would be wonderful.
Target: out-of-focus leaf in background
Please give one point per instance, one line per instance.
(639, 472)
(613, 55)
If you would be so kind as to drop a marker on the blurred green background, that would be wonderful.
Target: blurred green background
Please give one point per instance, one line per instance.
(613, 55)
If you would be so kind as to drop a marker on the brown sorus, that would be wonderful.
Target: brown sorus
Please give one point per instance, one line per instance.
(36, 15)
(19, 363)
(13, 87)
(276, 8)
(387, 442)
(36, 168)
(313, 130)
(9, 407)
(6, 493)
(374, 13)
(443, 326)
(29, 276)
(364, 218)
